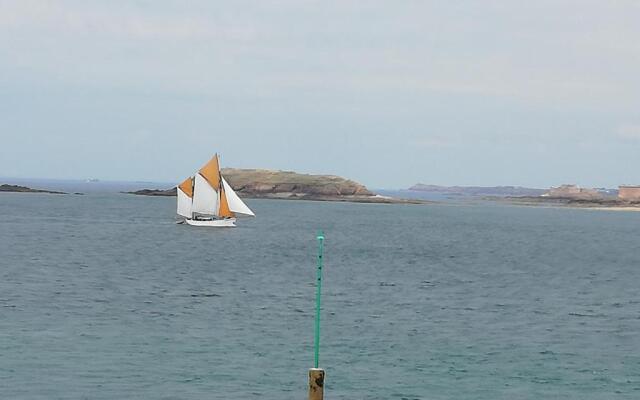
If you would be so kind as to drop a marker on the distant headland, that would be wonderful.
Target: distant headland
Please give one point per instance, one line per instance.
(289, 185)
(625, 197)
(478, 190)
(570, 195)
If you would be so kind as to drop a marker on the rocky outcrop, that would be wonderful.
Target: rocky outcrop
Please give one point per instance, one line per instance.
(156, 192)
(261, 183)
(24, 189)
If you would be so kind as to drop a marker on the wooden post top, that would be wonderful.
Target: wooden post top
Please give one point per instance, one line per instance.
(316, 384)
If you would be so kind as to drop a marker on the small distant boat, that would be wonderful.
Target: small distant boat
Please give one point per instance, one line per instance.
(206, 199)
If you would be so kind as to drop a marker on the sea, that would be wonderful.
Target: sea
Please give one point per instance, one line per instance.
(103, 296)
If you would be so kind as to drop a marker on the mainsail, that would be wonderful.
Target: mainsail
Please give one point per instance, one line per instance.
(205, 198)
(209, 194)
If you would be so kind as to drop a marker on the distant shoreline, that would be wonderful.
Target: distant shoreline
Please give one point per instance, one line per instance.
(602, 204)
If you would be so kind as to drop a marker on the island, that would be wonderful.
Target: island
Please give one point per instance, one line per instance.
(24, 189)
(289, 185)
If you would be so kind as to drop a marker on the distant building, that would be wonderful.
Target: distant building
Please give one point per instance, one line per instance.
(629, 193)
(573, 192)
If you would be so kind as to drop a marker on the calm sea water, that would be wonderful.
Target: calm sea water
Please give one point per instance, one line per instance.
(104, 297)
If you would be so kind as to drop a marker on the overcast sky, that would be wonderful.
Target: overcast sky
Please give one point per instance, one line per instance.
(388, 93)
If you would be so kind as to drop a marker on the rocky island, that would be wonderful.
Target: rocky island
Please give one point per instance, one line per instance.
(289, 185)
(24, 189)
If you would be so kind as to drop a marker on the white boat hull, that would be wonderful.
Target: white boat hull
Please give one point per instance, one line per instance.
(215, 223)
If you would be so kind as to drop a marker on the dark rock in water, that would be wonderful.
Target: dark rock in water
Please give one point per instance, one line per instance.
(155, 192)
(24, 189)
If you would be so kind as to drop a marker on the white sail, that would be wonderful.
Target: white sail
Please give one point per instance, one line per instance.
(205, 198)
(235, 203)
(184, 204)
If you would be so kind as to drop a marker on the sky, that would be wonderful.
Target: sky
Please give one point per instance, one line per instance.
(388, 93)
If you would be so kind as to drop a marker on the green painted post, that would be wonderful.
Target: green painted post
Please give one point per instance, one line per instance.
(319, 289)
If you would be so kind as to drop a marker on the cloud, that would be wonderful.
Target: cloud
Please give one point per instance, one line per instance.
(116, 21)
(463, 79)
(493, 50)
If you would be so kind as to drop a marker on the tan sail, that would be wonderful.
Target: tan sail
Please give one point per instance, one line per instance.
(224, 205)
(187, 186)
(211, 172)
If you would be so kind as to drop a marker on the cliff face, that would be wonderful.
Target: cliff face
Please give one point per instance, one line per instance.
(260, 182)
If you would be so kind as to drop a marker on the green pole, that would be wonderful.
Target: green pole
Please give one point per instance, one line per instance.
(319, 289)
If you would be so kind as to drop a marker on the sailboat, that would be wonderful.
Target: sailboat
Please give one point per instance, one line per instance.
(206, 199)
